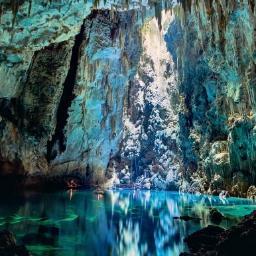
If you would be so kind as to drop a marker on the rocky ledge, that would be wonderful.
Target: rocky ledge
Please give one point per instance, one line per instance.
(216, 241)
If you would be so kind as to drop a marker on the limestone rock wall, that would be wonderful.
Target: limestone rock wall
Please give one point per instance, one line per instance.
(156, 92)
(108, 60)
(64, 72)
(214, 42)
(149, 153)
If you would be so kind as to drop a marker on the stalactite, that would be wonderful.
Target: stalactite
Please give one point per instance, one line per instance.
(15, 7)
(29, 7)
(158, 13)
(252, 5)
(96, 3)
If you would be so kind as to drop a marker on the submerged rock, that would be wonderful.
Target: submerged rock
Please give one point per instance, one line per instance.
(14, 59)
(47, 235)
(8, 246)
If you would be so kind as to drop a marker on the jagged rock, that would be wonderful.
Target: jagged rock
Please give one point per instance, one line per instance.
(149, 143)
(216, 184)
(159, 183)
(216, 125)
(146, 185)
(68, 117)
(126, 179)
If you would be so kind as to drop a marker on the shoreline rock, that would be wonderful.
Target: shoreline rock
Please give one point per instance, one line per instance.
(213, 240)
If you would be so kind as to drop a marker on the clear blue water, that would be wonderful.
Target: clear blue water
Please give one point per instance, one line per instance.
(122, 222)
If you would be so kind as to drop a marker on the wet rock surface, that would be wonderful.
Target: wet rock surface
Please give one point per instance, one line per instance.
(213, 240)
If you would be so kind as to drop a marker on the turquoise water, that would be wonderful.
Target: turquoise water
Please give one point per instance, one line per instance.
(122, 222)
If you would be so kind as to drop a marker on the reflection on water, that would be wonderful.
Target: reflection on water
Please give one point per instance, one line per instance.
(118, 223)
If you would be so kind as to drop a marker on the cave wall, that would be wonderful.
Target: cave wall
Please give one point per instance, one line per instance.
(65, 69)
(37, 38)
(126, 91)
(214, 42)
(108, 60)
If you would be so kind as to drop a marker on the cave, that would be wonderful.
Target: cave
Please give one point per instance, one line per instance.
(127, 127)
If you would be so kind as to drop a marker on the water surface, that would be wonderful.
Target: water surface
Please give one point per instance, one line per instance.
(123, 222)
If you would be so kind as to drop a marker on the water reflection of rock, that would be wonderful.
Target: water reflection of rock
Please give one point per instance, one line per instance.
(145, 225)
(119, 223)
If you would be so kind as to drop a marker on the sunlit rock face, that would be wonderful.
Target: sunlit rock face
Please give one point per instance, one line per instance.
(215, 46)
(108, 60)
(149, 145)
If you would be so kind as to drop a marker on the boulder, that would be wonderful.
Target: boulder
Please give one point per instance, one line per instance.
(213, 240)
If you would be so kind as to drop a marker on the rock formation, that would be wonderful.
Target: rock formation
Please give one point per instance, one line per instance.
(149, 145)
(65, 116)
(213, 240)
(159, 94)
(215, 47)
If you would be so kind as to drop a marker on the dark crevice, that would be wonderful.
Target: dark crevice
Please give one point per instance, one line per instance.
(66, 100)
(9, 110)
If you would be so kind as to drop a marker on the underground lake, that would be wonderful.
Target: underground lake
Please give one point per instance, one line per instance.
(120, 222)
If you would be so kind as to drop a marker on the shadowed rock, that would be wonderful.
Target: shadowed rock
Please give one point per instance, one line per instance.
(236, 241)
(8, 246)
(215, 216)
